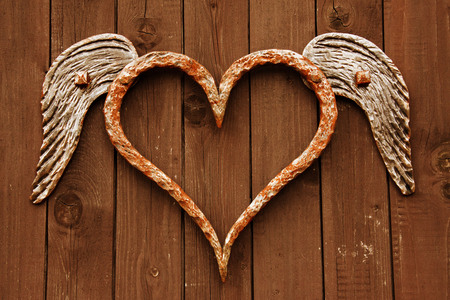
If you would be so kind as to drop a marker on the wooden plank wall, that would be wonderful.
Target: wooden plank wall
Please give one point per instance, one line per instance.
(355, 200)
(22, 227)
(420, 223)
(148, 232)
(286, 236)
(342, 230)
(84, 199)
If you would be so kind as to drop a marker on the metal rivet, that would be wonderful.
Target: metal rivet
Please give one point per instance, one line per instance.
(82, 78)
(362, 77)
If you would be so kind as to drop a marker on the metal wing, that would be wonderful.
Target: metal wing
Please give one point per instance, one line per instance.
(76, 78)
(385, 100)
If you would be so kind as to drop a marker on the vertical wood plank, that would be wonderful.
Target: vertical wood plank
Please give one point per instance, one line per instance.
(24, 29)
(217, 163)
(286, 236)
(148, 234)
(80, 220)
(355, 200)
(417, 39)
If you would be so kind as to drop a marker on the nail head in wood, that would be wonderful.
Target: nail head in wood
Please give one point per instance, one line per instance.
(362, 77)
(82, 79)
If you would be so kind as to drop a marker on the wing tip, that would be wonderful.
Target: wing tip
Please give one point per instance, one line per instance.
(36, 198)
(408, 189)
(41, 192)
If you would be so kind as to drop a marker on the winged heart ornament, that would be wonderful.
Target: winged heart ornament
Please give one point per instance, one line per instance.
(336, 63)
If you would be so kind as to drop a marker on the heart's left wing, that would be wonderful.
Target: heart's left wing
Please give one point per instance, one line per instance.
(76, 78)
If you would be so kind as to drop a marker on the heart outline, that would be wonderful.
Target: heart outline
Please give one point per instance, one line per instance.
(315, 79)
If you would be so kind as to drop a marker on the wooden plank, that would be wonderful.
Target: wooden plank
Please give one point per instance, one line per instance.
(24, 29)
(217, 162)
(417, 39)
(148, 236)
(286, 234)
(80, 221)
(355, 202)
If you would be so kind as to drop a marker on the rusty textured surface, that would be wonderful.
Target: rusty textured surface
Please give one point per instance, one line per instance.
(218, 102)
(75, 79)
(385, 100)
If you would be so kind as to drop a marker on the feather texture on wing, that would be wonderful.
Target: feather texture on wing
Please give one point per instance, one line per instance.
(385, 100)
(64, 104)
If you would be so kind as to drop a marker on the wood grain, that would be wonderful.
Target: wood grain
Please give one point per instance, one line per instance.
(217, 160)
(154, 258)
(420, 223)
(80, 219)
(354, 188)
(286, 238)
(24, 46)
(148, 234)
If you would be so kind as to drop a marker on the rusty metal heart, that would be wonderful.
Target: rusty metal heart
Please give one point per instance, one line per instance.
(218, 100)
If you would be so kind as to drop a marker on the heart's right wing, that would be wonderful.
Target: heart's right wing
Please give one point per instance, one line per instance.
(385, 100)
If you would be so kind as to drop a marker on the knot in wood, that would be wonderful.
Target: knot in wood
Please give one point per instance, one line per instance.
(195, 109)
(68, 210)
(339, 16)
(147, 34)
(440, 158)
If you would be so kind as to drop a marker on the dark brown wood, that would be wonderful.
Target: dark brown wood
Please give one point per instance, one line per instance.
(217, 164)
(148, 234)
(417, 39)
(280, 254)
(355, 200)
(80, 210)
(286, 236)
(24, 60)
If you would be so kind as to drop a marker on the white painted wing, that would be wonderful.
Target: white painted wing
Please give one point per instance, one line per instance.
(64, 104)
(385, 100)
